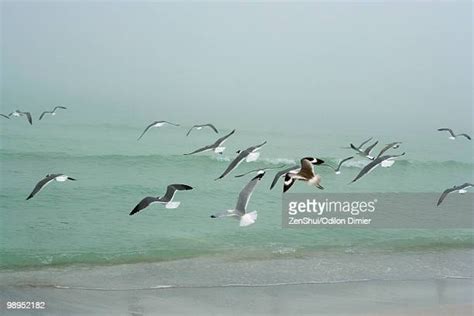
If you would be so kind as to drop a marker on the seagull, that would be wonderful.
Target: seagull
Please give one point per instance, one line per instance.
(366, 152)
(249, 154)
(360, 146)
(393, 145)
(337, 170)
(258, 170)
(156, 124)
(167, 199)
(306, 173)
(453, 136)
(47, 180)
(53, 112)
(19, 113)
(460, 188)
(375, 163)
(216, 146)
(199, 127)
(240, 211)
(5, 116)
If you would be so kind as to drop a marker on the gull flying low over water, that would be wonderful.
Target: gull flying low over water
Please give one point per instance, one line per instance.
(156, 124)
(337, 170)
(375, 163)
(366, 152)
(249, 154)
(293, 169)
(52, 112)
(166, 199)
(240, 212)
(19, 113)
(460, 188)
(258, 170)
(216, 146)
(47, 180)
(306, 173)
(453, 136)
(199, 127)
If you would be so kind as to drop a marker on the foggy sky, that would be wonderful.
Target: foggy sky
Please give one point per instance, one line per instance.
(311, 65)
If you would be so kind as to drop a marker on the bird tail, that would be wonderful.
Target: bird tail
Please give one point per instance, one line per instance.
(72, 179)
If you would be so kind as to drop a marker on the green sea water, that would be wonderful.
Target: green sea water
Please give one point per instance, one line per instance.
(87, 222)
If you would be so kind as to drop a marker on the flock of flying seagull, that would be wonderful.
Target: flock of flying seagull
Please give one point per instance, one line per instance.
(302, 172)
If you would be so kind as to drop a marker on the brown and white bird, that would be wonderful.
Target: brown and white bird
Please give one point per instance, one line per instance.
(306, 173)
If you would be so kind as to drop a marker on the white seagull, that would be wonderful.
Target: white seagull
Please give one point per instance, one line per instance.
(460, 188)
(249, 154)
(199, 127)
(47, 180)
(240, 212)
(156, 124)
(52, 112)
(216, 146)
(166, 199)
(453, 136)
(19, 113)
(306, 173)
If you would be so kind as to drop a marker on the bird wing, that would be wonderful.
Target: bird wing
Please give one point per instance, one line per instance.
(171, 190)
(144, 203)
(246, 193)
(59, 107)
(146, 129)
(306, 169)
(447, 130)
(343, 161)
(465, 135)
(5, 116)
(213, 127)
(282, 172)
(289, 180)
(205, 148)
(234, 163)
(42, 114)
(221, 140)
(28, 116)
(444, 194)
(189, 132)
(170, 123)
(369, 149)
(41, 184)
(365, 142)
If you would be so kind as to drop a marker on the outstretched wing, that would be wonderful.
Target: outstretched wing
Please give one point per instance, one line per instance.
(143, 204)
(246, 193)
(343, 161)
(5, 116)
(444, 194)
(465, 135)
(59, 107)
(42, 114)
(189, 132)
(445, 129)
(171, 190)
(146, 130)
(41, 184)
(213, 127)
(205, 148)
(234, 164)
(171, 123)
(28, 116)
(369, 149)
(223, 138)
(281, 173)
(365, 142)
(289, 180)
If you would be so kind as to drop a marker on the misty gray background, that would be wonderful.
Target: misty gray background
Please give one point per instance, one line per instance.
(332, 66)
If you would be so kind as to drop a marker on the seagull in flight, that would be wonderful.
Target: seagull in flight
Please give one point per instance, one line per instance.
(19, 113)
(156, 124)
(375, 163)
(216, 146)
(47, 180)
(306, 173)
(166, 199)
(249, 154)
(337, 169)
(52, 112)
(199, 127)
(453, 136)
(393, 145)
(240, 212)
(460, 188)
